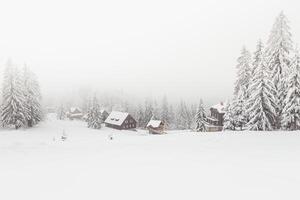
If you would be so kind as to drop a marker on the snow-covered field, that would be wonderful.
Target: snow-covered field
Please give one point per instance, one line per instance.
(135, 165)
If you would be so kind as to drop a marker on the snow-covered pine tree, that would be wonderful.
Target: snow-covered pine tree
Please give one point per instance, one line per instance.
(165, 114)
(291, 110)
(243, 72)
(200, 118)
(262, 105)
(239, 109)
(229, 118)
(141, 117)
(13, 108)
(31, 91)
(149, 111)
(172, 124)
(257, 56)
(180, 116)
(241, 94)
(94, 118)
(278, 59)
(184, 116)
(156, 110)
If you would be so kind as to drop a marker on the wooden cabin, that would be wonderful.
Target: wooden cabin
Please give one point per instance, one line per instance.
(216, 118)
(156, 127)
(74, 113)
(120, 121)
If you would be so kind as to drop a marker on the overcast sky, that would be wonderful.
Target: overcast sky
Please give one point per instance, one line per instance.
(184, 49)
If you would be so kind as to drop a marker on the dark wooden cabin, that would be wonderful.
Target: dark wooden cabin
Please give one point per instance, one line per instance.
(156, 127)
(74, 113)
(120, 121)
(216, 118)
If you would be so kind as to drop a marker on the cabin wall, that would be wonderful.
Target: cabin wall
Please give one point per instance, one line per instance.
(219, 116)
(129, 123)
(113, 126)
(214, 128)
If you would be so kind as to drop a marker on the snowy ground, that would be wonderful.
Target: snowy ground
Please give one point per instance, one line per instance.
(135, 165)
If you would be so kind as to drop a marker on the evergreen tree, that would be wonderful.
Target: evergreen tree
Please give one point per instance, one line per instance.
(94, 118)
(171, 124)
(243, 72)
(184, 116)
(241, 92)
(31, 91)
(257, 57)
(141, 117)
(291, 110)
(13, 108)
(278, 60)
(200, 118)
(149, 111)
(239, 110)
(262, 105)
(165, 113)
(229, 118)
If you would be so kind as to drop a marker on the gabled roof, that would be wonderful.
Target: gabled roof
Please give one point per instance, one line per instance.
(74, 109)
(220, 107)
(102, 111)
(154, 123)
(116, 118)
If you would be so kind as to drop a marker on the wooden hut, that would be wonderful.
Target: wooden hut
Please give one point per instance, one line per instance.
(156, 127)
(120, 121)
(216, 118)
(74, 113)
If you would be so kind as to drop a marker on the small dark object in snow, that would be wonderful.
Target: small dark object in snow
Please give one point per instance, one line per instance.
(110, 137)
(64, 136)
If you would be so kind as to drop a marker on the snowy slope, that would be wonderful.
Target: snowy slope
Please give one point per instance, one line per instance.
(135, 165)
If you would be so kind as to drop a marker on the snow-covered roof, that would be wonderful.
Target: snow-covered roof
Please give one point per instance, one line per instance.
(220, 107)
(76, 115)
(154, 123)
(116, 118)
(74, 109)
(102, 111)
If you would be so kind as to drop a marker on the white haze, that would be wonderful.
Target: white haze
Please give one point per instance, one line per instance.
(183, 49)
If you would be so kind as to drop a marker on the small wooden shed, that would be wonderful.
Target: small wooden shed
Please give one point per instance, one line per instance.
(216, 118)
(156, 127)
(74, 113)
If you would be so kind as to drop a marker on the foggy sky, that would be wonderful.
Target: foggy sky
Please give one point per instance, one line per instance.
(184, 49)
